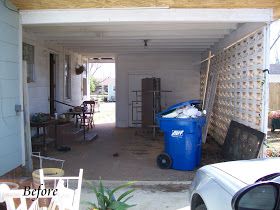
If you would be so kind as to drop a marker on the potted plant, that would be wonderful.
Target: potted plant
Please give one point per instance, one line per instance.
(274, 119)
(107, 200)
(80, 69)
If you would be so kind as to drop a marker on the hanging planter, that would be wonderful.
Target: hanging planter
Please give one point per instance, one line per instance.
(79, 69)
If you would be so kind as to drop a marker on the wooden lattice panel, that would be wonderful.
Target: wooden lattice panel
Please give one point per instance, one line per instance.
(202, 79)
(240, 86)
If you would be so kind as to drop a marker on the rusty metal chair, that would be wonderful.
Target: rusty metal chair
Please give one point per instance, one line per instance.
(86, 118)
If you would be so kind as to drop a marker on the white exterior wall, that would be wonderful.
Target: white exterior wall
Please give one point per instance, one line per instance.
(112, 91)
(11, 145)
(178, 72)
(274, 78)
(39, 90)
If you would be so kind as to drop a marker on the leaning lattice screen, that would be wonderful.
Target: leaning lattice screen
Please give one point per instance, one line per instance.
(202, 78)
(240, 85)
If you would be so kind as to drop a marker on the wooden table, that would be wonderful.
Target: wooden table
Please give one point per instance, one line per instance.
(43, 125)
(75, 115)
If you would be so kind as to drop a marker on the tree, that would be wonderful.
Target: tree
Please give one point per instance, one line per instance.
(93, 84)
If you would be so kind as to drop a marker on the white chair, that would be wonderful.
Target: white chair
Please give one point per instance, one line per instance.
(67, 198)
(43, 159)
(15, 200)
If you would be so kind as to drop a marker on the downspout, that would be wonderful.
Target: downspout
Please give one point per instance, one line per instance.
(24, 115)
(265, 103)
(20, 113)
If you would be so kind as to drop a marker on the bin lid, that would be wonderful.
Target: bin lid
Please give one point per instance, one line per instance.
(179, 105)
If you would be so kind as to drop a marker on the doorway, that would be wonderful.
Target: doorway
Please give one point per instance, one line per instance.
(103, 90)
(53, 69)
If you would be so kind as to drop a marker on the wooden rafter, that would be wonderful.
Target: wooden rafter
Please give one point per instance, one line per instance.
(67, 4)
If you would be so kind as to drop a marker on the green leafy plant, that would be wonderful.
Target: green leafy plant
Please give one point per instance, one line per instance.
(106, 199)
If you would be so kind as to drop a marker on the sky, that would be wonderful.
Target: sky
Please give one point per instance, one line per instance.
(105, 70)
(275, 51)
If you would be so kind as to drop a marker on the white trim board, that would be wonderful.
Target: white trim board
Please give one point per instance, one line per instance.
(90, 16)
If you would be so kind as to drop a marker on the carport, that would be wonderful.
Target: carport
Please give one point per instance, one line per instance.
(177, 40)
(172, 44)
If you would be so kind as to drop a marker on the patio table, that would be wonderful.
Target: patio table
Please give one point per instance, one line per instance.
(43, 125)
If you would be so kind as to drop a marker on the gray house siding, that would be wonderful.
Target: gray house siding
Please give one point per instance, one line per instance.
(10, 132)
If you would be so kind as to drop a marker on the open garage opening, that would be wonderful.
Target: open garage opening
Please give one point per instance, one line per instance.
(102, 81)
(165, 44)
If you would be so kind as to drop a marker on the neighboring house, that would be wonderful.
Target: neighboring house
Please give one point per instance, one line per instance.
(107, 86)
(156, 42)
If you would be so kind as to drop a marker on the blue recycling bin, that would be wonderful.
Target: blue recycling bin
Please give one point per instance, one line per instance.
(182, 139)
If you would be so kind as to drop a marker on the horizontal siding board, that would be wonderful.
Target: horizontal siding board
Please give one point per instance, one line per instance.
(9, 88)
(8, 126)
(11, 144)
(8, 33)
(9, 52)
(8, 107)
(9, 70)
(10, 139)
(9, 17)
(9, 162)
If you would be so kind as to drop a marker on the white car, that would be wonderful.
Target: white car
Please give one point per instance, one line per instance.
(243, 185)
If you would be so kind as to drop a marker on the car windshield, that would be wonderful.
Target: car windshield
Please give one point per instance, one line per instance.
(274, 176)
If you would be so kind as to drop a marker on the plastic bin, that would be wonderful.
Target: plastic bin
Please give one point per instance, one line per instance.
(182, 139)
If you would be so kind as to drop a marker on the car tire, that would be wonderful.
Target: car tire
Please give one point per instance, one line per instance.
(201, 207)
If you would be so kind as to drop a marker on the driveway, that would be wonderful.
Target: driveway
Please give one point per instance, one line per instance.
(149, 195)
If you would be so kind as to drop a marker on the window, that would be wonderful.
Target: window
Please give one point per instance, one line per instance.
(67, 76)
(106, 88)
(28, 56)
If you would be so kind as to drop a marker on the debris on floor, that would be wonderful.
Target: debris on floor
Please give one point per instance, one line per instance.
(273, 144)
(185, 112)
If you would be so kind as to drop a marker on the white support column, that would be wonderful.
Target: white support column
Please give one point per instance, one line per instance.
(265, 96)
(24, 115)
(266, 79)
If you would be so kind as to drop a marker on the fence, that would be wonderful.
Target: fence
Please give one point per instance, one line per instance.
(274, 96)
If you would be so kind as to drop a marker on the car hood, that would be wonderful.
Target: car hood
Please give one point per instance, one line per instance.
(249, 171)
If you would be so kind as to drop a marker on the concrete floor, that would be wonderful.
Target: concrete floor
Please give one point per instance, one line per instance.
(118, 154)
(122, 153)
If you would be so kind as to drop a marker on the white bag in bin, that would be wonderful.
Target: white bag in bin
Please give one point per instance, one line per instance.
(186, 112)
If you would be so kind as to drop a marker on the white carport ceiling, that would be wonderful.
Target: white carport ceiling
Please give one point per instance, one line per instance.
(129, 37)
(90, 31)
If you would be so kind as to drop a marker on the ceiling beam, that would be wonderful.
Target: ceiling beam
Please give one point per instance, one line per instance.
(124, 34)
(120, 51)
(134, 45)
(139, 41)
(64, 16)
(128, 26)
(154, 37)
(82, 50)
